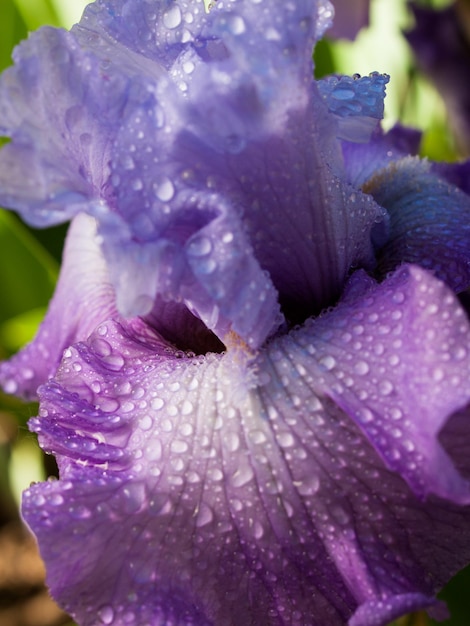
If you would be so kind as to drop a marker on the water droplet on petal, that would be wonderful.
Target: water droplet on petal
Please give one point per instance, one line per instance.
(204, 515)
(242, 476)
(328, 362)
(365, 415)
(199, 246)
(309, 486)
(172, 18)
(361, 368)
(157, 404)
(106, 614)
(165, 190)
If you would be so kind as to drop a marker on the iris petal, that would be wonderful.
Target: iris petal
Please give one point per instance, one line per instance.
(182, 153)
(251, 487)
(429, 222)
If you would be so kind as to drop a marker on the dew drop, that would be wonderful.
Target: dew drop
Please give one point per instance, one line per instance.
(172, 18)
(286, 440)
(361, 368)
(179, 447)
(236, 25)
(365, 415)
(309, 486)
(199, 246)
(145, 422)
(157, 404)
(242, 476)
(106, 614)
(258, 530)
(79, 511)
(114, 362)
(204, 515)
(165, 190)
(328, 362)
(233, 441)
(10, 386)
(385, 387)
(396, 413)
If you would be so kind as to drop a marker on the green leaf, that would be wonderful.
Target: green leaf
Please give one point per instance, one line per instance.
(27, 271)
(12, 30)
(38, 12)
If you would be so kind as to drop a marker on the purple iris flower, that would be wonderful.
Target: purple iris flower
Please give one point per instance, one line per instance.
(441, 45)
(254, 372)
(350, 17)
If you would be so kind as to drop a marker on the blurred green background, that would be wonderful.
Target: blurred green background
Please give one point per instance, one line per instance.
(29, 260)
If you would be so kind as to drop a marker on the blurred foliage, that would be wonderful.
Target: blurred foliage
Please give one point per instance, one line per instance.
(29, 260)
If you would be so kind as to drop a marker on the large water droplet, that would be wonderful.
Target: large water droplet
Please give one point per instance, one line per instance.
(106, 614)
(328, 362)
(204, 515)
(242, 476)
(164, 190)
(199, 246)
(308, 486)
(361, 368)
(172, 18)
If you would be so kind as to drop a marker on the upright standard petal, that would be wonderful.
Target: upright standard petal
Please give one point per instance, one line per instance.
(215, 129)
(282, 487)
(83, 298)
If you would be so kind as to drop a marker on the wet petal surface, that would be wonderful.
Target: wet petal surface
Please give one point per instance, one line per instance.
(214, 172)
(429, 221)
(247, 484)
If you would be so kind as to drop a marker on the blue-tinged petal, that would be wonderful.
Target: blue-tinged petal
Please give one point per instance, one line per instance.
(457, 174)
(83, 298)
(356, 102)
(269, 488)
(363, 160)
(429, 221)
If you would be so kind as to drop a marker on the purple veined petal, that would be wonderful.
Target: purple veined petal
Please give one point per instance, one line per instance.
(363, 160)
(364, 361)
(83, 298)
(429, 221)
(350, 17)
(248, 487)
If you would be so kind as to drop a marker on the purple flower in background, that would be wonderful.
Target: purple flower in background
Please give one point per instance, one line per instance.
(254, 372)
(350, 17)
(441, 44)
